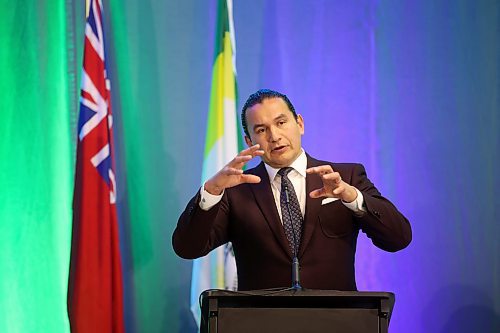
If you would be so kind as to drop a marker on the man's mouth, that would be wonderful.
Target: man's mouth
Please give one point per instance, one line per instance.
(279, 149)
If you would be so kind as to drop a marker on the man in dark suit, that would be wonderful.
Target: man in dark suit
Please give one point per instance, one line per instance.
(290, 205)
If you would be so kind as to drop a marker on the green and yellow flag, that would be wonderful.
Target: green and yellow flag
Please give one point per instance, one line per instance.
(223, 142)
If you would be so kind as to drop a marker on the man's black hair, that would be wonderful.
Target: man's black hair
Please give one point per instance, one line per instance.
(257, 98)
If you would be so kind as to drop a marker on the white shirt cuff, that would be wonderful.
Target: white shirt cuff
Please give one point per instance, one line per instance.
(357, 205)
(209, 200)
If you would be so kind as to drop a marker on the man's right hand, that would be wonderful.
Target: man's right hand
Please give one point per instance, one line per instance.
(232, 174)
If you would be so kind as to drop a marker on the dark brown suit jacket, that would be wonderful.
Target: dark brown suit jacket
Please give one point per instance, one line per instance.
(247, 216)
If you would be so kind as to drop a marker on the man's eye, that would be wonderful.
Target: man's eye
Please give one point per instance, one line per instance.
(259, 131)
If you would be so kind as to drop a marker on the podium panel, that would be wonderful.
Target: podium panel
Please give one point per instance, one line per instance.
(271, 311)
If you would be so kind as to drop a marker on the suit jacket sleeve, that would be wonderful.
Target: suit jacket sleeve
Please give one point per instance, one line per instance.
(199, 231)
(382, 222)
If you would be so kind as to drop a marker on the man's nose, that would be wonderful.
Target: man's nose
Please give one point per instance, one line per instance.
(274, 135)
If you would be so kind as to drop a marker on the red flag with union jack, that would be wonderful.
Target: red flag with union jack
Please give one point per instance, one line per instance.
(95, 289)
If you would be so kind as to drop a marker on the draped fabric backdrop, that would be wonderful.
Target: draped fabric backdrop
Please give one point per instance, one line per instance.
(409, 88)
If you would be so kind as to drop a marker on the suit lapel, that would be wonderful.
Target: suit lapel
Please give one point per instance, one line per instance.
(265, 200)
(313, 206)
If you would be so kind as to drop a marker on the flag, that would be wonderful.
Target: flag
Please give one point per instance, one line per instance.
(95, 291)
(223, 142)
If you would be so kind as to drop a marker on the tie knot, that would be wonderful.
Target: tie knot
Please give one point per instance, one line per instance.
(283, 172)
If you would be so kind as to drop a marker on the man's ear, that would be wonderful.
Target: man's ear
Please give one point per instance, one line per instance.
(300, 122)
(248, 141)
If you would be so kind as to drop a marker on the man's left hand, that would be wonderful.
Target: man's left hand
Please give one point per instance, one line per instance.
(333, 185)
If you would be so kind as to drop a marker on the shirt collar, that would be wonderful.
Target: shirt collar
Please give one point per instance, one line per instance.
(299, 165)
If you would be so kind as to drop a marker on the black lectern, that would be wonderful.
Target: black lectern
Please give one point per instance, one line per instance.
(287, 311)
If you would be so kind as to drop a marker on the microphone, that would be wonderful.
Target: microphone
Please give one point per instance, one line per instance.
(295, 261)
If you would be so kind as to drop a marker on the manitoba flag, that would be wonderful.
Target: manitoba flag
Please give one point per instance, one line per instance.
(95, 292)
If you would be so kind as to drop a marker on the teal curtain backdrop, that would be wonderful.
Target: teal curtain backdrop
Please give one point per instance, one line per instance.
(408, 88)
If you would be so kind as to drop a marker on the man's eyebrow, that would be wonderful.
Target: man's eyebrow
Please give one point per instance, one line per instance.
(257, 125)
(278, 117)
(281, 116)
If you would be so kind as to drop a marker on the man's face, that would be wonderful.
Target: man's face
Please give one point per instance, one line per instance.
(272, 125)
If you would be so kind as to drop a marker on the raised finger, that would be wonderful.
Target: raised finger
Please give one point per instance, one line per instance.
(240, 159)
(246, 155)
(318, 193)
(232, 171)
(250, 178)
(321, 170)
(250, 150)
(334, 176)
